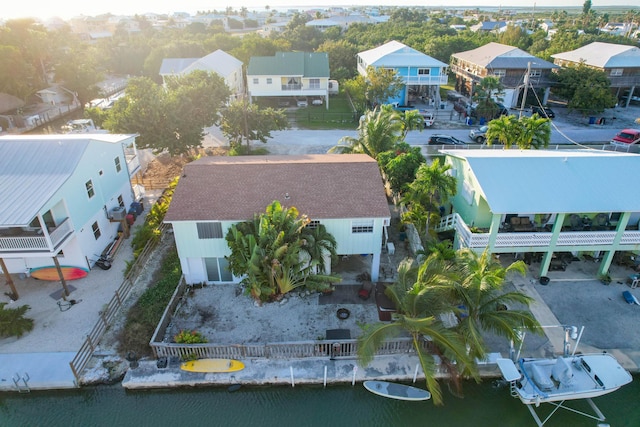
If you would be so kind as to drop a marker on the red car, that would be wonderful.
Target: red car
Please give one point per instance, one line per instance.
(626, 137)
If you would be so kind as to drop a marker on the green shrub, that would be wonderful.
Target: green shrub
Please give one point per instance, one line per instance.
(146, 313)
(189, 337)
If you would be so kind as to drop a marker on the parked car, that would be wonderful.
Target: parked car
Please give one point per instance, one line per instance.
(479, 135)
(302, 102)
(439, 139)
(626, 137)
(545, 112)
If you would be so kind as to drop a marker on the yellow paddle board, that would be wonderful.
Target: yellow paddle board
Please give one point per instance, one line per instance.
(212, 365)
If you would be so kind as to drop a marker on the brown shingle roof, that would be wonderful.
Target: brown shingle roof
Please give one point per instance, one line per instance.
(320, 186)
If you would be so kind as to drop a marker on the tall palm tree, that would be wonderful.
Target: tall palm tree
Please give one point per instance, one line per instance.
(379, 131)
(415, 304)
(504, 130)
(432, 188)
(480, 291)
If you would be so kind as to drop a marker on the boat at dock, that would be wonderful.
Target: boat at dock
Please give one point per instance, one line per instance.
(396, 391)
(565, 378)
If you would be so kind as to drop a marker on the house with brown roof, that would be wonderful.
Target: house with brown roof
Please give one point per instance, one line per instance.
(342, 192)
(620, 62)
(509, 64)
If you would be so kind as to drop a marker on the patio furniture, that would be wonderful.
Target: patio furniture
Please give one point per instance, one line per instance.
(365, 290)
(633, 280)
(384, 304)
(600, 222)
(521, 223)
(576, 222)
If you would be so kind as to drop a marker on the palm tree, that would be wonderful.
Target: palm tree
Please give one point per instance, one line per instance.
(415, 302)
(432, 188)
(525, 132)
(484, 93)
(318, 244)
(379, 131)
(480, 291)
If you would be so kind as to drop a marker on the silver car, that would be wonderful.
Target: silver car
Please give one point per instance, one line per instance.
(479, 135)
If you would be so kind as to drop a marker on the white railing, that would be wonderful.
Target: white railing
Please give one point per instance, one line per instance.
(31, 243)
(533, 239)
(426, 80)
(61, 231)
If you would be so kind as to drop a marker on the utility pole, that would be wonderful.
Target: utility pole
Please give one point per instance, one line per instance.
(526, 86)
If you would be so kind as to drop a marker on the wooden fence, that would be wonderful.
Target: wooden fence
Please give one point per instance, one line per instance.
(279, 350)
(110, 311)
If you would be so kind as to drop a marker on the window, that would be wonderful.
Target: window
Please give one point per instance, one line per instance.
(499, 73)
(117, 163)
(269, 80)
(314, 83)
(120, 201)
(313, 224)
(616, 72)
(424, 71)
(90, 191)
(364, 226)
(218, 270)
(96, 230)
(535, 73)
(209, 230)
(256, 81)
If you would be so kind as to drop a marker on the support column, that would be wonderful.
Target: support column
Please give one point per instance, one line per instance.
(555, 233)
(375, 267)
(545, 97)
(631, 90)
(7, 276)
(493, 231)
(64, 283)
(608, 258)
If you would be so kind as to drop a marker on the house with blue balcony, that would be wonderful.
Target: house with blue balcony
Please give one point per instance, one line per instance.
(63, 197)
(544, 203)
(422, 74)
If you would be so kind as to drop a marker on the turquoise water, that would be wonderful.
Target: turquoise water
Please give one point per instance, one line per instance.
(483, 405)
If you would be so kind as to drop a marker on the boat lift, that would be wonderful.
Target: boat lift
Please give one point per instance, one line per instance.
(511, 374)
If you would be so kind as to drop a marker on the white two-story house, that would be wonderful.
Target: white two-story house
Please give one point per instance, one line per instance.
(422, 74)
(293, 76)
(58, 196)
(219, 62)
(342, 192)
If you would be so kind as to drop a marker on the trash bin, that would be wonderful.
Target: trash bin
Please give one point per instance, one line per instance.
(544, 280)
(602, 120)
(482, 121)
(442, 105)
(469, 121)
(592, 120)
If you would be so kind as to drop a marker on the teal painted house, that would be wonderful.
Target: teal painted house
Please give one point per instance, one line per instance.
(545, 202)
(422, 74)
(58, 196)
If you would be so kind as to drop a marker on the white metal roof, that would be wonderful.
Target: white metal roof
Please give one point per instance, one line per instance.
(498, 55)
(219, 62)
(555, 181)
(603, 55)
(33, 168)
(396, 54)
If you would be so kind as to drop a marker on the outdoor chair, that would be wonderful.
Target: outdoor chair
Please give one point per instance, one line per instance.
(365, 290)
(601, 222)
(576, 222)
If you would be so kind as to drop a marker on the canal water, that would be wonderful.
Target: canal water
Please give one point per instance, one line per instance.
(483, 405)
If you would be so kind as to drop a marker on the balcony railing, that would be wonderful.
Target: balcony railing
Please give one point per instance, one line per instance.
(35, 240)
(426, 80)
(292, 87)
(534, 238)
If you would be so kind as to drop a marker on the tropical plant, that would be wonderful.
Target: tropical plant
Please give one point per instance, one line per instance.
(275, 253)
(189, 337)
(415, 303)
(486, 93)
(431, 189)
(480, 293)
(400, 165)
(12, 321)
(525, 132)
(379, 131)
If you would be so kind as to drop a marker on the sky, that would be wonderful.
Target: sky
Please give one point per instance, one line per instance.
(66, 9)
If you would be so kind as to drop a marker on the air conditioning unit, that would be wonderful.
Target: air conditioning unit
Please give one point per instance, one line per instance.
(118, 213)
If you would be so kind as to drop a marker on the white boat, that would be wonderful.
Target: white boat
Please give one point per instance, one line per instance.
(565, 378)
(396, 391)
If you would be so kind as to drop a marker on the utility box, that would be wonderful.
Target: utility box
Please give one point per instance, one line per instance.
(118, 214)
